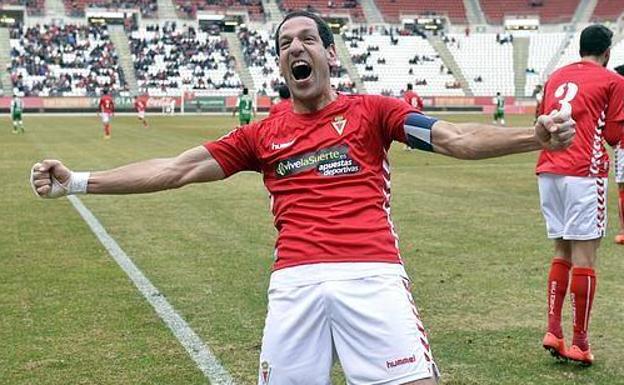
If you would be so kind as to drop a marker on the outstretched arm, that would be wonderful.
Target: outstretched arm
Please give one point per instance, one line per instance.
(51, 179)
(479, 141)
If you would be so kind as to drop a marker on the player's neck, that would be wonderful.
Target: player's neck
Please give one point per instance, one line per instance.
(593, 59)
(317, 104)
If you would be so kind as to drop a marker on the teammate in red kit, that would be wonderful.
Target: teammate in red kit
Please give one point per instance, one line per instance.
(284, 103)
(573, 184)
(107, 111)
(415, 101)
(412, 98)
(140, 104)
(338, 282)
(619, 177)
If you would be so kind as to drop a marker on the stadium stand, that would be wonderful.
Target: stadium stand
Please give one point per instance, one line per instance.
(261, 58)
(542, 46)
(149, 8)
(486, 60)
(326, 7)
(167, 59)
(48, 60)
(549, 11)
(188, 8)
(388, 61)
(617, 54)
(393, 9)
(608, 10)
(570, 53)
(33, 7)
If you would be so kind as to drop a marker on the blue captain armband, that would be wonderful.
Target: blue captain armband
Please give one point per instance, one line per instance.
(418, 131)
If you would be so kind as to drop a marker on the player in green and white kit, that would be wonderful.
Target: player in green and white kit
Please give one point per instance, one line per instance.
(17, 107)
(499, 113)
(244, 106)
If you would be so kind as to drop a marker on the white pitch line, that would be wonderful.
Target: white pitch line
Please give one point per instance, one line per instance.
(195, 347)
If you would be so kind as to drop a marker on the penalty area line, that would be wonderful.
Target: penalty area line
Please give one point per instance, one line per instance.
(194, 346)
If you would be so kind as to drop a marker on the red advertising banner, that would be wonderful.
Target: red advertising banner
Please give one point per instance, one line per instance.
(29, 102)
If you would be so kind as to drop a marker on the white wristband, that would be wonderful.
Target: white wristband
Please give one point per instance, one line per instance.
(78, 182)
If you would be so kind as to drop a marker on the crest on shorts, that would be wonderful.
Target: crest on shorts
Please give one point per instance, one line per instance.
(265, 372)
(339, 124)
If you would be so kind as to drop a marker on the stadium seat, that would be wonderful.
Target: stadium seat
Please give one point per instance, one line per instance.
(385, 67)
(48, 60)
(33, 7)
(487, 64)
(550, 11)
(169, 58)
(393, 9)
(608, 10)
(149, 8)
(542, 47)
(188, 8)
(326, 7)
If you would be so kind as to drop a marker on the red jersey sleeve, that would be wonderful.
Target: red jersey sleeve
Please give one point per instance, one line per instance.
(614, 116)
(391, 114)
(236, 150)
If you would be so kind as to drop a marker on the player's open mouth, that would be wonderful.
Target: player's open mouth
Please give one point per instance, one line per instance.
(301, 70)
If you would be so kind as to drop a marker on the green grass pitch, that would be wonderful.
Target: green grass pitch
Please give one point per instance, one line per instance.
(471, 233)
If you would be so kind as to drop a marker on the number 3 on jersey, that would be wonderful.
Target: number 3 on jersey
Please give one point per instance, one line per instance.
(566, 92)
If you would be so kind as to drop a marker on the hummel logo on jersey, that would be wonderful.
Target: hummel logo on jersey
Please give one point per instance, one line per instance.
(281, 146)
(339, 124)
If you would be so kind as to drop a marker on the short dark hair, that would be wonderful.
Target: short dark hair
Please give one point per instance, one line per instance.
(323, 29)
(245, 91)
(410, 86)
(283, 91)
(620, 69)
(595, 40)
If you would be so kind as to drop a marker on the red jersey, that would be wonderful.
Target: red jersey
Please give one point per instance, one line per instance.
(140, 105)
(282, 105)
(595, 98)
(413, 100)
(107, 104)
(328, 177)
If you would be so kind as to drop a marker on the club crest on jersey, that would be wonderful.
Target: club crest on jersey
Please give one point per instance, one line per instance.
(339, 124)
(265, 372)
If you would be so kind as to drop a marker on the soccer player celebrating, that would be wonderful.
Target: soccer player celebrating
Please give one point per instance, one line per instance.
(573, 185)
(412, 98)
(107, 110)
(17, 108)
(619, 177)
(244, 106)
(338, 282)
(499, 111)
(140, 104)
(284, 103)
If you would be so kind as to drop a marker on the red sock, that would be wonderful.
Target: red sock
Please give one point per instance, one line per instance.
(582, 291)
(621, 208)
(557, 288)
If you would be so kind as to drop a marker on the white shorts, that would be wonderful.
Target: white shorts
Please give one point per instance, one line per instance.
(141, 114)
(106, 117)
(619, 163)
(370, 324)
(575, 208)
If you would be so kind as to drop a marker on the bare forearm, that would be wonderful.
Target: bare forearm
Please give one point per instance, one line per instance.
(142, 177)
(479, 141)
(192, 166)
